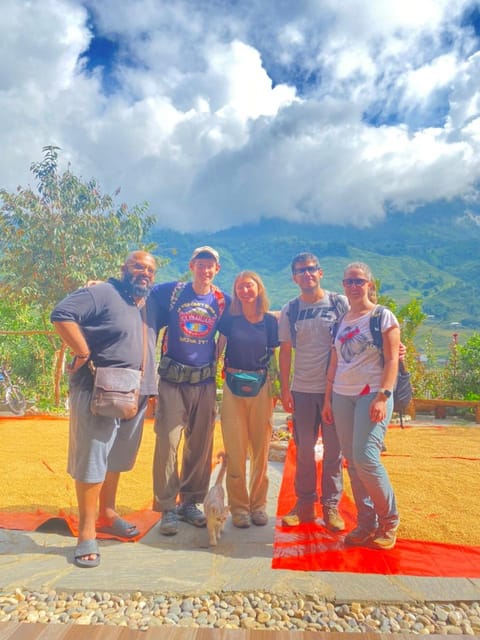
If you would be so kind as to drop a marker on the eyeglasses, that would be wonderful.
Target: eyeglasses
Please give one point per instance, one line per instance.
(358, 282)
(301, 271)
(138, 266)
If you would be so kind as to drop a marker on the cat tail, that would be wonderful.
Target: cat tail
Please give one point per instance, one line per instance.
(222, 456)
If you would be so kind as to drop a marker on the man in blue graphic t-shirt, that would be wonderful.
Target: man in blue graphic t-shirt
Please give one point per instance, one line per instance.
(187, 391)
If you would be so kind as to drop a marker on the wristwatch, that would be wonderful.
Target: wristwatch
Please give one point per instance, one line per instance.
(386, 393)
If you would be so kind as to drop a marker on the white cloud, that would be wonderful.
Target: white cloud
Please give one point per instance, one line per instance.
(224, 113)
(421, 82)
(249, 89)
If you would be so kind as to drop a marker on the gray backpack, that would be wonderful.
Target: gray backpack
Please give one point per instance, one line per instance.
(402, 394)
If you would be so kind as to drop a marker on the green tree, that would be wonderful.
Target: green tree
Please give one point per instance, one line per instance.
(56, 237)
(429, 379)
(466, 381)
(27, 350)
(410, 316)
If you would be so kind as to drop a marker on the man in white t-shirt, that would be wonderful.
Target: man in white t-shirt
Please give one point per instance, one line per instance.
(304, 325)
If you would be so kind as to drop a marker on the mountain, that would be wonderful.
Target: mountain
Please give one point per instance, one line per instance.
(431, 254)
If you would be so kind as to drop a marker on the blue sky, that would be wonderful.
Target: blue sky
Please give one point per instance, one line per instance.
(218, 113)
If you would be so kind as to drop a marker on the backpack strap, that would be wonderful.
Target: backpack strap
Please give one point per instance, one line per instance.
(292, 315)
(376, 326)
(175, 295)
(176, 291)
(220, 298)
(340, 308)
(335, 325)
(269, 321)
(338, 303)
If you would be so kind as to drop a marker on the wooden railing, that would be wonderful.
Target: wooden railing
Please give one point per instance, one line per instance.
(440, 407)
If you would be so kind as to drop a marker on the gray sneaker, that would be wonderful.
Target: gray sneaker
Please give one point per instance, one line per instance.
(189, 512)
(360, 536)
(385, 538)
(259, 517)
(298, 515)
(241, 520)
(169, 523)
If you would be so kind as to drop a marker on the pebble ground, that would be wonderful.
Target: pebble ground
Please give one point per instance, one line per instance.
(255, 610)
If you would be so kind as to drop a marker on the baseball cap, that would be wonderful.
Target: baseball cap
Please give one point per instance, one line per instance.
(205, 252)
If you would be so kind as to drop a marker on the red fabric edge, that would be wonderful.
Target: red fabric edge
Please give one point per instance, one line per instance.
(144, 521)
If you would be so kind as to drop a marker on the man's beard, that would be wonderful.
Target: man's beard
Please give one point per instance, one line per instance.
(137, 290)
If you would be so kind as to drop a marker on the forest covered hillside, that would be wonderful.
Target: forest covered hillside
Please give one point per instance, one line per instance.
(432, 255)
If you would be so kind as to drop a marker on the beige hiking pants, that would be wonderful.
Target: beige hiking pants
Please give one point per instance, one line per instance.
(247, 430)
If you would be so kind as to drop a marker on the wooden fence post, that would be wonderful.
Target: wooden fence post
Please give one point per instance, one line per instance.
(59, 362)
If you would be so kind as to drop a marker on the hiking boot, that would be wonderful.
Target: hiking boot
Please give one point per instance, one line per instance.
(333, 520)
(169, 523)
(385, 538)
(259, 518)
(241, 520)
(291, 520)
(360, 536)
(189, 512)
(299, 514)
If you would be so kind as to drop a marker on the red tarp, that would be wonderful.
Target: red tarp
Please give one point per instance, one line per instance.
(144, 521)
(311, 547)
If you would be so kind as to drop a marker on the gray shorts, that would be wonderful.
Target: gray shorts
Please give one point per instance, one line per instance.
(98, 444)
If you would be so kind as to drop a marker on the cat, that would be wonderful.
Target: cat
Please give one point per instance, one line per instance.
(214, 504)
